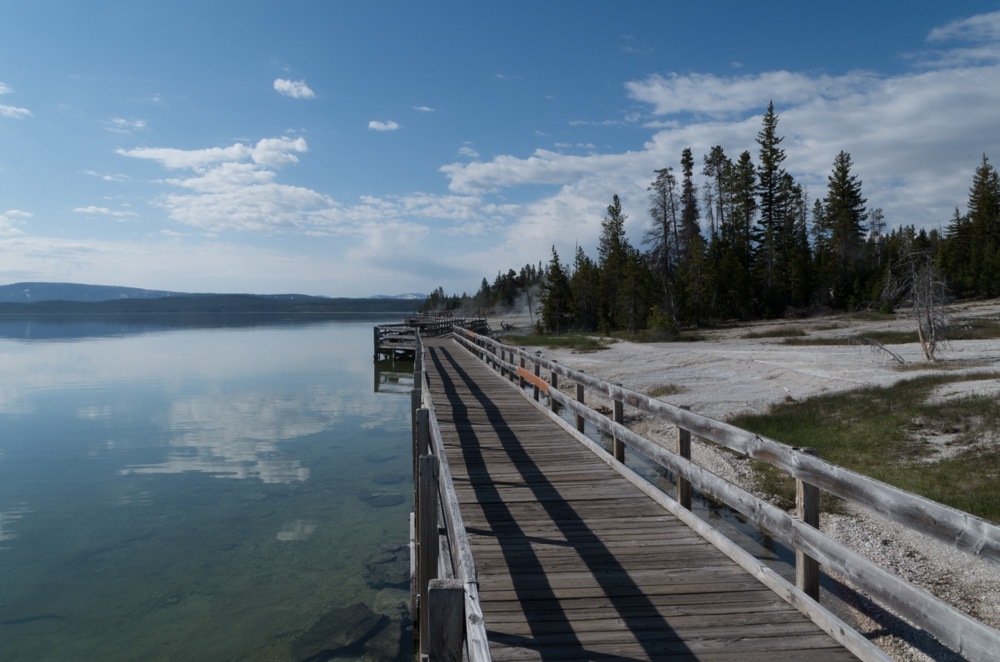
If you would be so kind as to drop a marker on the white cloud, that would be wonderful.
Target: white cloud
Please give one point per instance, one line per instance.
(294, 89)
(984, 27)
(424, 109)
(10, 218)
(269, 152)
(104, 211)
(375, 125)
(120, 125)
(13, 111)
(468, 151)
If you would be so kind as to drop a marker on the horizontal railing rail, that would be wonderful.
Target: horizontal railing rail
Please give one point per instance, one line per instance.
(963, 531)
(444, 582)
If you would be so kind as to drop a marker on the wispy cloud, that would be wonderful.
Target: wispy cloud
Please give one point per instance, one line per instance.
(269, 152)
(9, 219)
(468, 151)
(296, 89)
(121, 125)
(12, 111)
(104, 211)
(424, 109)
(376, 125)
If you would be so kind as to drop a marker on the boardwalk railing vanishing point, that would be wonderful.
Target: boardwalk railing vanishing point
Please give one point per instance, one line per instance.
(461, 625)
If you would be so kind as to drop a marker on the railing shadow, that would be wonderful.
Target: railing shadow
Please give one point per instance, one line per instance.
(547, 620)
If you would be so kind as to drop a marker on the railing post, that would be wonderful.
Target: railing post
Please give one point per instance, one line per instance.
(538, 373)
(579, 398)
(446, 608)
(553, 384)
(619, 415)
(421, 444)
(520, 379)
(684, 450)
(427, 541)
(807, 510)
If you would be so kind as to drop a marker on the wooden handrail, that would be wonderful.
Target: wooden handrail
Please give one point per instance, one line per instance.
(953, 628)
(444, 626)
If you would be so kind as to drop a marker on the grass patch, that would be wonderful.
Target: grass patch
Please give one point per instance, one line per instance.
(883, 432)
(578, 342)
(649, 336)
(665, 390)
(974, 329)
(776, 333)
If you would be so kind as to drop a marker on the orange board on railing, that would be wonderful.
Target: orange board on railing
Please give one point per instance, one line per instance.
(534, 380)
(470, 334)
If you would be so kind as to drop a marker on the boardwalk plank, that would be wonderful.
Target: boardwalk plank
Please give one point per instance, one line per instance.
(576, 563)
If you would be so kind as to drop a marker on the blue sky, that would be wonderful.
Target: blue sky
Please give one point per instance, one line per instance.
(356, 148)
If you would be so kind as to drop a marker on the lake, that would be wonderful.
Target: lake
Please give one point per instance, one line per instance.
(200, 488)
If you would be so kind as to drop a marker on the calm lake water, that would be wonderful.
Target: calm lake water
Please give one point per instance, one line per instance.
(195, 489)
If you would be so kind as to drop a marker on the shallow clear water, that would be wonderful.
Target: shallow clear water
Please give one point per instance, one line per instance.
(179, 490)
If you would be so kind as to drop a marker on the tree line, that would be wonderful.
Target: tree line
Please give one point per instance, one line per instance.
(749, 244)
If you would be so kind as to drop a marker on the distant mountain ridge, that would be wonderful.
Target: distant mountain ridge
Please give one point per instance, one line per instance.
(77, 292)
(32, 292)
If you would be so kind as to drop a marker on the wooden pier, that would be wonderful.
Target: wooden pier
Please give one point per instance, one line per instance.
(534, 543)
(398, 341)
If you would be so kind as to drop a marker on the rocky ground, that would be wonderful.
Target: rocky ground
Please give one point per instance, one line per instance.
(728, 374)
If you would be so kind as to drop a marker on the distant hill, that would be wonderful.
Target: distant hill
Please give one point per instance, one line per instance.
(409, 296)
(74, 298)
(32, 292)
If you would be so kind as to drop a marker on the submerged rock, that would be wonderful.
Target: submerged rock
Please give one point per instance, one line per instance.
(389, 478)
(379, 457)
(390, 566)
(339, 630)
(380, 499)
(393, 642)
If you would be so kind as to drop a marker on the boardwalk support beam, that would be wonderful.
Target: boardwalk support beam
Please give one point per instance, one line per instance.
(427, 541)
(446, 609)
(684, 450)
(807, 510)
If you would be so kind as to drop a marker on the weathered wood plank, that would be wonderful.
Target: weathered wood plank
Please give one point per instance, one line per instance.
(554, 532)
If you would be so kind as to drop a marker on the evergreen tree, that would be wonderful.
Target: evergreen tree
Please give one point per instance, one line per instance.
(771, 189)
(585, 285)
(555, 297)
(612, 258)
(844, 216)
(716, 163)
(690, 227)
(662, 236)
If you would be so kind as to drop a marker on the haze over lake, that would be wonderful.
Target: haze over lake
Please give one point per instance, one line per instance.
(179, 492)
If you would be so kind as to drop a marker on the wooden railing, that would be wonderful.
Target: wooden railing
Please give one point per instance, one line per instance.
(444, 585)
(963, 634)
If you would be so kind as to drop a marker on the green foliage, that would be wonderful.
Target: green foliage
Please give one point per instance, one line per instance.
(885, 433)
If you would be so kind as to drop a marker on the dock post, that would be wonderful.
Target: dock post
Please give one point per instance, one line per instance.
(553, 384)
(446, 606)
(684, 450)
(579, 398)
(427, 541)
(619, 415)
(807, 510)
(538, 373)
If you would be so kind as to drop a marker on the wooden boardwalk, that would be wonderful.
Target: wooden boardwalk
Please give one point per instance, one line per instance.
(574, 562)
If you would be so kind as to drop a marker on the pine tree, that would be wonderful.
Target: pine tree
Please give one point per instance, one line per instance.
(555, 297)
(612, 257)
(662, 236)
(770, 179)
(844, 216)
(690, 214)
(585, 285)
(715, 169)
